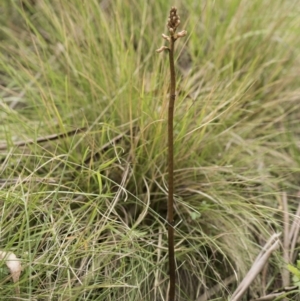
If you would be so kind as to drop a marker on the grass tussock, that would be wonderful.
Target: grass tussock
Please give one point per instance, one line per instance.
(86, 213)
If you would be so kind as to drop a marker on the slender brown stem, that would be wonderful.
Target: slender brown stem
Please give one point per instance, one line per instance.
(171, 173)
(172, 24)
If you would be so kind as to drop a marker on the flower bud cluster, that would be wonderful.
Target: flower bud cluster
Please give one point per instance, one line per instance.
(173, 20)
(172, 24)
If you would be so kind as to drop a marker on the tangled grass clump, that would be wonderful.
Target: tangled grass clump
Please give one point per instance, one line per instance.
(83, 135)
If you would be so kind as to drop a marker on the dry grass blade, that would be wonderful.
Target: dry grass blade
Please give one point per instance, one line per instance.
(285, 274)
(257, 266)
(294, 233)
(107, 145)
(214, 290)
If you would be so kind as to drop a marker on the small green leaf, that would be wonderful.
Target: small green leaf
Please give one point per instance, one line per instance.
(296, 281)
(296, 274)
(195, 215)
(294, 270)
(298, 264)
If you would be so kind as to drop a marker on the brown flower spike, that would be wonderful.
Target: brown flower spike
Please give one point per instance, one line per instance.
(172, 24)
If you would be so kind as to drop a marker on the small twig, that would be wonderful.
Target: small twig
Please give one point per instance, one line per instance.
(276, 294)
(43, 139)
(269, 297)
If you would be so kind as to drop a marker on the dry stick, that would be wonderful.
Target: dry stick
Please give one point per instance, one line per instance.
(63, 135)
(172, 24)
(270, 297)
(280, 293)
(43, 139)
